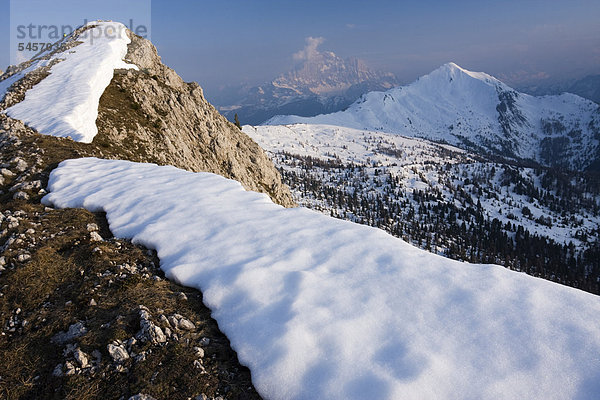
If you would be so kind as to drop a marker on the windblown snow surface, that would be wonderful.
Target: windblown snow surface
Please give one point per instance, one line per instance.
(320, 308)
(66, 102)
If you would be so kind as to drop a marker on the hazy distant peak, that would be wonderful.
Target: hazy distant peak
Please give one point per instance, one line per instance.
(325, 73)
(320, 82)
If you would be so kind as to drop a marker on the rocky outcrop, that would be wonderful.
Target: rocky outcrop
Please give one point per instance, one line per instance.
(152, 115)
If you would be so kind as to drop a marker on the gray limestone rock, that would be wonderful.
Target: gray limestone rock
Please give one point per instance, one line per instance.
(117, 352)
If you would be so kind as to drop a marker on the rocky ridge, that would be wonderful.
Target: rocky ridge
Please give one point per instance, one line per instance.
(152, 115)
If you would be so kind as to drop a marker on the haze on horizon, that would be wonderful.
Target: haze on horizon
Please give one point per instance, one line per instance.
(250, 42)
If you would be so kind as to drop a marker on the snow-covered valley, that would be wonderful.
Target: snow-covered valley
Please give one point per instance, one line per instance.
(444, 199)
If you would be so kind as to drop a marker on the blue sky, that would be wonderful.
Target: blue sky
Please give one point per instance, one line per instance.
(229, 42)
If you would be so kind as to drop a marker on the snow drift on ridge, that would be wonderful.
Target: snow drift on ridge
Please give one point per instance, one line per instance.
(320, 308)
(66, 102)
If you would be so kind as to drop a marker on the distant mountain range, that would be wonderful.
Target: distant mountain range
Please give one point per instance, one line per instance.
(477, 112)
(588, 87)
(321, 82)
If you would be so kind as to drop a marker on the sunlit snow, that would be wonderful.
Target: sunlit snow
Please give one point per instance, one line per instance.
(320, 308)
(410, 159)
(66, 102)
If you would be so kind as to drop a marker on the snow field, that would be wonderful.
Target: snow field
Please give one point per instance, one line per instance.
(418, 164)
(320, 308)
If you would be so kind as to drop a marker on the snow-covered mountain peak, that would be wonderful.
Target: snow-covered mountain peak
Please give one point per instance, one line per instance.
(451, 77)
(477, 112)
(456, 70)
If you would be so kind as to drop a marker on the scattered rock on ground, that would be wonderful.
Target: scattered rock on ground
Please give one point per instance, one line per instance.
(75, 331)
(149, 332)
(141, 396)
(118, 352)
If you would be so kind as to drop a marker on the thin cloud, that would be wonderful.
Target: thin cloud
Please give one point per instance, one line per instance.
(310, 50)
